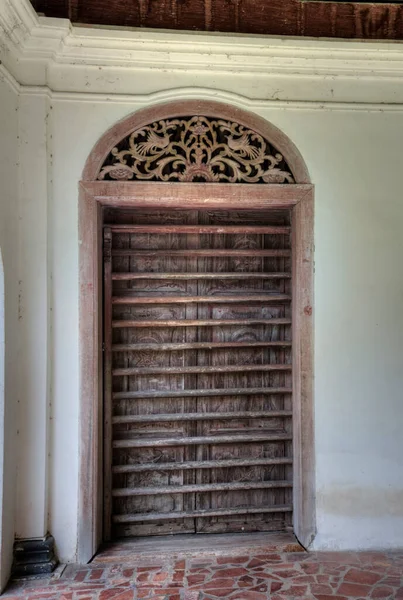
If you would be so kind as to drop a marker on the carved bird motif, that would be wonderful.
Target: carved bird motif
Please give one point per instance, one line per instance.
(154, 142)
(243, 145)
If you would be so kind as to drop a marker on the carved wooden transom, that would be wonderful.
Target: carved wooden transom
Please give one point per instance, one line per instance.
(196, 149)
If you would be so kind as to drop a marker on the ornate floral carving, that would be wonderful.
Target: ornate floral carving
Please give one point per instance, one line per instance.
(198, 149)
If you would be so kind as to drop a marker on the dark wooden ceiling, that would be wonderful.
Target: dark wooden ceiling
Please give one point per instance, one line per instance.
(276, 17)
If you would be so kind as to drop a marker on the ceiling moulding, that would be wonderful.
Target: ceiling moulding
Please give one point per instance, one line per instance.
(40, 51)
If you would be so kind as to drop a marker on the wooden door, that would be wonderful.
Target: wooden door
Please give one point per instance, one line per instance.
(198, 403)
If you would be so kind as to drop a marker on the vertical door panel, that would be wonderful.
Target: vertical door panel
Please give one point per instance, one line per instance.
(176, 466)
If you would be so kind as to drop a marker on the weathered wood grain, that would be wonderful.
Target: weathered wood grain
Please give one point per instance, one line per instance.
(202, 489)
(198, 276)
(200, 323)
(201, 369)
(203, 252)
(278, 17)
(200, 229)
(221, 439)
(206, 464)
(302, 380)
(202, 393)
(202, 345)
(199, 299)
(107, 368)
(206, 205)
(216, 416)
(196, 346)
(138, 518)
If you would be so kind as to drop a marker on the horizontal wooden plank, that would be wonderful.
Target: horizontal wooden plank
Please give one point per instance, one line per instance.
(281, 253)
(219, 512)
(200, 488)
(203, 464)
(157, 418)
(162, 195)
(201, 323)
(195, 346)
(250, 298)
(200, 440)
(200, 393)
(187, 276)
(199, 369)
(200, 229)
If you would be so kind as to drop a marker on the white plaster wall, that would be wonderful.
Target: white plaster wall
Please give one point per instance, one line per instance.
(355, 160)
(8, 326)
(34, 318)
(358, 329)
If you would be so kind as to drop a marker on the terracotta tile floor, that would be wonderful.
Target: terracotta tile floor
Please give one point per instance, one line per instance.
(259, 572)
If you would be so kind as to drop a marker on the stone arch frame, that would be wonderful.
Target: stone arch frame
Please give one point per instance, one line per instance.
(94, 194)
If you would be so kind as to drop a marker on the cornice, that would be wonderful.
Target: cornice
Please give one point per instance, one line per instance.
(40, 51)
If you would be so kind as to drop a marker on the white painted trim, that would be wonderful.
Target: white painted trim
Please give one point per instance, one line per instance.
(40, 51)
(195, 93)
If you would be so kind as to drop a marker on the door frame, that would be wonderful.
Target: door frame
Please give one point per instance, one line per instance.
(94, 195)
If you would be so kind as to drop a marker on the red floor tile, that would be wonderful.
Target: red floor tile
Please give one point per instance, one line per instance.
(254, 576)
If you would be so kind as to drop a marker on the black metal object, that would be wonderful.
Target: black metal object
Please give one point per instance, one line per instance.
(34, 557)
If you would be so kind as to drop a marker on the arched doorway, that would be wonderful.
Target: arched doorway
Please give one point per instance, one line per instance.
(196, 327)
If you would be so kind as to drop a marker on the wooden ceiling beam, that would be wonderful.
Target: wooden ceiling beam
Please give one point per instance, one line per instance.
(278, 17)
(73, 10)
